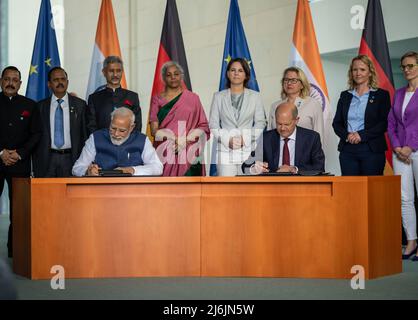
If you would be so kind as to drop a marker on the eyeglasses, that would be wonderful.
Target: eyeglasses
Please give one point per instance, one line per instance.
(291, 80)
(407, 66)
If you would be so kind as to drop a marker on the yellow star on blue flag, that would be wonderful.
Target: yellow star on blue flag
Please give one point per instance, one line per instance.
(48, 62)
(33, 69)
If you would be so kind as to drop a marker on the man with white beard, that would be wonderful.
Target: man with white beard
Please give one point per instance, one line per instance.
(119, 147)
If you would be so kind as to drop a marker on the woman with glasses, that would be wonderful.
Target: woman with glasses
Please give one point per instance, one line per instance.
(296, 89)
(361, 121)
(403, 135)
(237, 118)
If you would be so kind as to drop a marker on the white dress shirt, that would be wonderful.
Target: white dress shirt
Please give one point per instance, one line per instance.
(291, 145)
(152, 164)
(66, 113)
(408, 97)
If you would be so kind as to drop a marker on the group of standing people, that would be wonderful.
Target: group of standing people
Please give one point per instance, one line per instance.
(54, 131)
(363, 116)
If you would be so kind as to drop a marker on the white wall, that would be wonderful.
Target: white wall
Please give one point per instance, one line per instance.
(332, 19)
(23, 19)
(268, 25)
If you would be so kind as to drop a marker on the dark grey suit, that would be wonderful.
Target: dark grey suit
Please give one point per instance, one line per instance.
(78, 133)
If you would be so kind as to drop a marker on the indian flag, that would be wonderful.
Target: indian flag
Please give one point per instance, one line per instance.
(305, 55)
(106, 44)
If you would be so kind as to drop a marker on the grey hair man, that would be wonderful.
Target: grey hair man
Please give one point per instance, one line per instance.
(118, 147)
(106, 99)
(288, 148)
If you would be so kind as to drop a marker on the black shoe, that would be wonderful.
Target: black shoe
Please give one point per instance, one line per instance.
(407, 256)
(10, 254)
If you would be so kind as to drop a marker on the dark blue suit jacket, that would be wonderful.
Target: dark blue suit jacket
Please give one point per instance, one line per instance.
(375, 120)
(78, 133)
(308, 151)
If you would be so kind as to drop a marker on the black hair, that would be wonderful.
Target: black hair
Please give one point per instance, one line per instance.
(54, 69)
(244, 65)
(12, 68)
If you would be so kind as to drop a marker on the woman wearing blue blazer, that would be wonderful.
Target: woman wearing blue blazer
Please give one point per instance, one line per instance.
(361, 121)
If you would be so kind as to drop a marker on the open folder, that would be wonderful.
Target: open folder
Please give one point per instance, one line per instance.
(114, 173)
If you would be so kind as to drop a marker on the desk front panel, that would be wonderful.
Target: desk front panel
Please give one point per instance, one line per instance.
(116, 230)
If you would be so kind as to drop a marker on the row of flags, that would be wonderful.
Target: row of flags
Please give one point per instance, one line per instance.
(304, 52)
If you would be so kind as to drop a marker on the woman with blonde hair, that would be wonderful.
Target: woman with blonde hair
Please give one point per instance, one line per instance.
(296, 89)
(361, 121)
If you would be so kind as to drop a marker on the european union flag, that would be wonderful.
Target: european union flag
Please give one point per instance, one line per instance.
(236, 46)
(45, 55)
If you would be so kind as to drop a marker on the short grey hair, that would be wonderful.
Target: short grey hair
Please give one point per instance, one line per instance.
(123, 112)
(112, 59)
(171, 64)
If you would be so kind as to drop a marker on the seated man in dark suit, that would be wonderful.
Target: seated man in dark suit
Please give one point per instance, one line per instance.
(64, 129)
(119, 147)
(288, 148)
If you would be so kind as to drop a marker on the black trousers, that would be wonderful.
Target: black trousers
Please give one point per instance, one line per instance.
(359, 160)
(60, 165)
(8, 178)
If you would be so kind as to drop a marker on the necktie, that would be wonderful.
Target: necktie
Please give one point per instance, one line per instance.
(59, 125)
(286, 153)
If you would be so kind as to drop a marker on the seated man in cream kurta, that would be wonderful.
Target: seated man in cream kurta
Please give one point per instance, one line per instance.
(119, 147)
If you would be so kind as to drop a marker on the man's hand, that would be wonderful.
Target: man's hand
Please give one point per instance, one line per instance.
(286, 168)
(9, 157)
(236, 142)
(93, 170)
(127, 170)
(259, 167)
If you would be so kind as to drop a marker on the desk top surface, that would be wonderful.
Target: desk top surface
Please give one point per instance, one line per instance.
(206, 180)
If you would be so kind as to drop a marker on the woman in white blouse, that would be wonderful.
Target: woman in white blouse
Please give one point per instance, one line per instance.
(237, 118)
(296, 89)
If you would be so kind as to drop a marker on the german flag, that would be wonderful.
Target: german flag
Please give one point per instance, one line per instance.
(374, 44)
(171, 49)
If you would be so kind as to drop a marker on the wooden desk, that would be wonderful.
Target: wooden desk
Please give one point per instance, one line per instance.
(310, 227)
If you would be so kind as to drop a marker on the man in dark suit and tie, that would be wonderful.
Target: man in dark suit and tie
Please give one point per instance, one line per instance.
(103, 102)
(64, 129)
(288, 148)
(20, 131)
